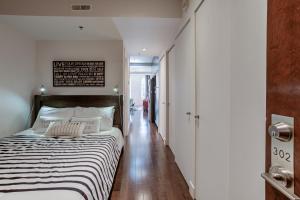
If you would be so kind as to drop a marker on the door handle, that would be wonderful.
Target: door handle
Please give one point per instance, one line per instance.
(281, 188)
(188, 113)
(283, 176)
(197, 116)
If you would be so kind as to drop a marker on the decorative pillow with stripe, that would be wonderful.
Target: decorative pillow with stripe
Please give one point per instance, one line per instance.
(92, 125)
(70, 129)
(44, 122)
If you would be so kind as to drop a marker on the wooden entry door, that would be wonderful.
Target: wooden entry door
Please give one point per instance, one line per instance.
(283, 77)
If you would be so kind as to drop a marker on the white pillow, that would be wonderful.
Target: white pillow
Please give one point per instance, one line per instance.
(106, 114)
(70, 129)
(61, 113)
(44, 122)
(92, 125)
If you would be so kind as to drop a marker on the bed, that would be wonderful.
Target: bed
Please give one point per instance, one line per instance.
(34, 166)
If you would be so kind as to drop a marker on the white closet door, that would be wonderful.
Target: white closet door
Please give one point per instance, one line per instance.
(126, 97)
(162, 127)
(213, 99)
(171, 99)
(185, 103)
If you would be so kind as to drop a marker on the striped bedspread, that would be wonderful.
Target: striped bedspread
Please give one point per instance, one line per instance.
(85, 165)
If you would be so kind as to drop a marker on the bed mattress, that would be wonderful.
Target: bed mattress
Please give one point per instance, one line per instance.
(34, 167)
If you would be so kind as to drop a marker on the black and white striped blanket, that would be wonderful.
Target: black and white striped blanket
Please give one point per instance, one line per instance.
(85, 165)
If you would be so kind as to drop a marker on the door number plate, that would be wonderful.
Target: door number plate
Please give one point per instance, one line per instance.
(283, 152)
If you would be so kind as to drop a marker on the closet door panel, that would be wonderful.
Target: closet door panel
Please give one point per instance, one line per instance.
(213, 100)
(185, 103)
(171, 99)
(163, 99)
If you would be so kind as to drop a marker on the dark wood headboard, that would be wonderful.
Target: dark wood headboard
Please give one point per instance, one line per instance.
(63, 101)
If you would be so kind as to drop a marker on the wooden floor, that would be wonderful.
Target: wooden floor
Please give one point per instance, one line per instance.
(147, 170)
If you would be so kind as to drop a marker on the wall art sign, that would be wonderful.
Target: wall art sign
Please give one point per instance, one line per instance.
(78, 73)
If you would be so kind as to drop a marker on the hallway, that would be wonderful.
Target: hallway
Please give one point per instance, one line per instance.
(147, 170)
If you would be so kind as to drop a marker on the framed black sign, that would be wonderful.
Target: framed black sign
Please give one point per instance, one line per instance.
(78, 73)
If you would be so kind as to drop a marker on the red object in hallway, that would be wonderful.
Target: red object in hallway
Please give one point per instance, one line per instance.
(145, 105)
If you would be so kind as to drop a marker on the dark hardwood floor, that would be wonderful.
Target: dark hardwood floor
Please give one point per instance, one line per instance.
(147, 170)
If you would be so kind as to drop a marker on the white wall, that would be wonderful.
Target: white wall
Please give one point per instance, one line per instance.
(248, 97)
(17, 79)
(109, 51)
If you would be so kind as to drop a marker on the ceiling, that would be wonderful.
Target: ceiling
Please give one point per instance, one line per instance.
(64, 28)
(154, 34)
(151, 34)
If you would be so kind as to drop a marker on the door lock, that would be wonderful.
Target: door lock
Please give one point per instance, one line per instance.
(281, 173)
(281, 131)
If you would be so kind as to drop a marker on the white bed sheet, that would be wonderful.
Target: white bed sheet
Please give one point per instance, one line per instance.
(56, 195)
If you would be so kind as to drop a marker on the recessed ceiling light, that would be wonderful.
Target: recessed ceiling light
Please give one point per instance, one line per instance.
(144, 49)
(81, 27)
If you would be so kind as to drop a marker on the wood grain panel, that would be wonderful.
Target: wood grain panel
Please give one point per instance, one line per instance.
(283, 75)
